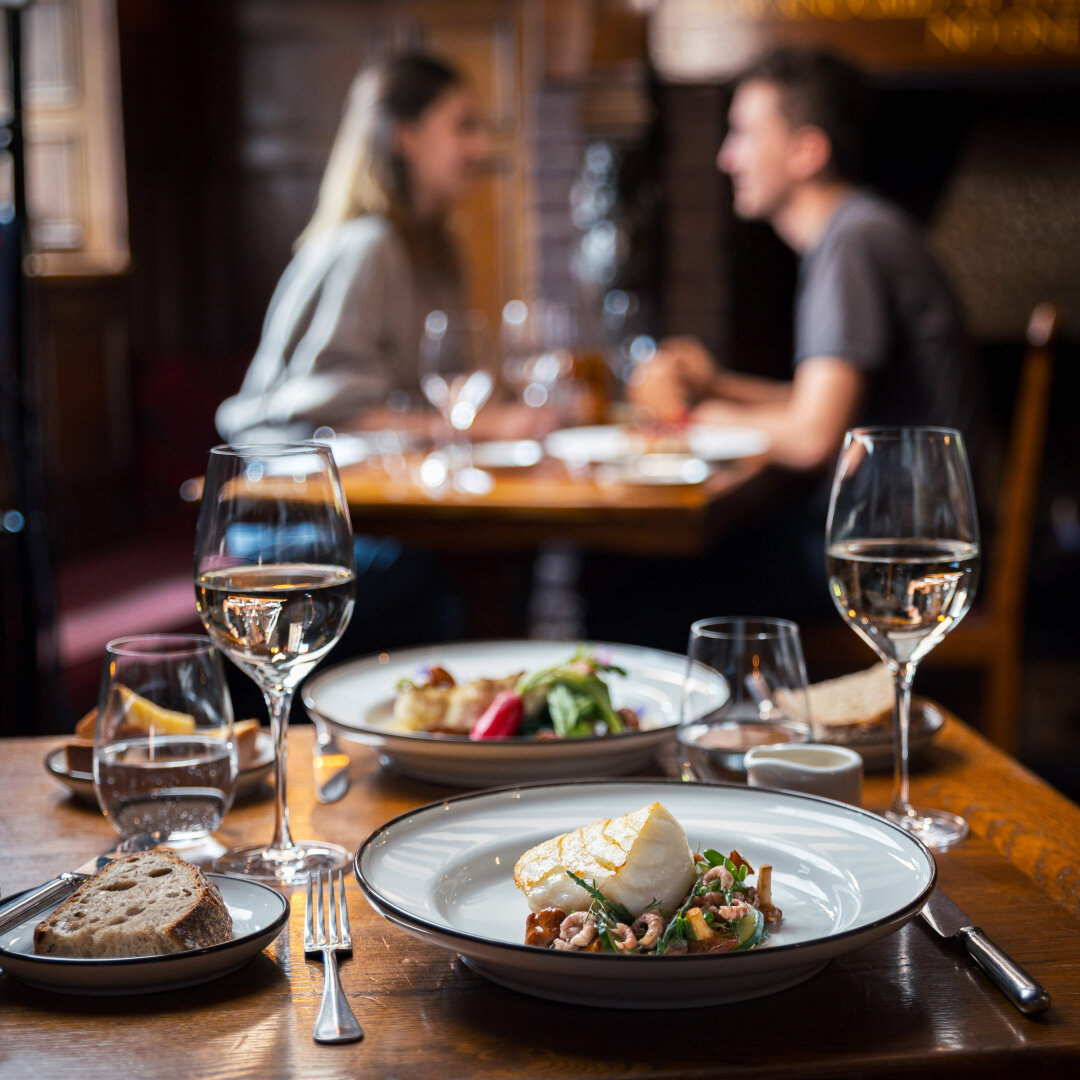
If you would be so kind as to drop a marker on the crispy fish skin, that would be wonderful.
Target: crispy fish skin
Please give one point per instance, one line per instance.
(633, 860)
(447, 708)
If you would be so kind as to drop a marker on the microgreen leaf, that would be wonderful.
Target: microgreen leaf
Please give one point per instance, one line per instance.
(609, 906)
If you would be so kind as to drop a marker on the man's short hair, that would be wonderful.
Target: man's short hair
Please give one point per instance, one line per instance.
(821, 89)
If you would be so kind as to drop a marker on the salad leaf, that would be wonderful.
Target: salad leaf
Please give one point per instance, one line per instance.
(569, 712)
(578, 676)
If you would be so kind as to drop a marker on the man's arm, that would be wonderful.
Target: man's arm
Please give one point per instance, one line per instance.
(806, 425)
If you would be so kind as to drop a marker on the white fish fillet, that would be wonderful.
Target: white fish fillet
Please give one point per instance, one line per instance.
(633, 860)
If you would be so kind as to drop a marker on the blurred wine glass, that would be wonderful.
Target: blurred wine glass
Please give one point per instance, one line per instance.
(902, 556)
(274, 584)
(457, 371)
(535, 339)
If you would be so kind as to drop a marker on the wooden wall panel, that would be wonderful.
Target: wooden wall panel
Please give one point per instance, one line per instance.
(295, 64)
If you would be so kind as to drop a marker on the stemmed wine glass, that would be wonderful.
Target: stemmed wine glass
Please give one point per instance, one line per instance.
(457, 375)
(274, 583)
(902, 557)
(535, 340)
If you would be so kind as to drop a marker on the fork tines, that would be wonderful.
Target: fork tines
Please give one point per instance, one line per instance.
(336, 916)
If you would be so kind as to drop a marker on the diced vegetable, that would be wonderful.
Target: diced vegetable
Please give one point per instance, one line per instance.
(750, 929)
(501, 718)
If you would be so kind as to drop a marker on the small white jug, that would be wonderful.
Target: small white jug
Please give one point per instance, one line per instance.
(815, 768)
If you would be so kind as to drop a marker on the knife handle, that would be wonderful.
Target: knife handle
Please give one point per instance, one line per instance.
(1005, 973)
(17, 910)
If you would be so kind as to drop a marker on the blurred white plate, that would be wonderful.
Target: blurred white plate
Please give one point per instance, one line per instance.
(357, 700)
(258, 915)
(842, 877)
(661, 469)
(508, 454)
(82, 783)
(614, 444)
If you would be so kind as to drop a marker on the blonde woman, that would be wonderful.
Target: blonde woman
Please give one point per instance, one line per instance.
(344, 323)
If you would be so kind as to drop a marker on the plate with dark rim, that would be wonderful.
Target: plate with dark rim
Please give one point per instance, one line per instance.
(842, 876)
(357, 700)
(250, 776)
(259, 914)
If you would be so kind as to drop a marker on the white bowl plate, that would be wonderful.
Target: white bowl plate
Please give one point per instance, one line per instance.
(357, 700)
(842, 876)
(615, 444)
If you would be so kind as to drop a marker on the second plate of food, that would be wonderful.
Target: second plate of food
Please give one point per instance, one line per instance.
(357, 699)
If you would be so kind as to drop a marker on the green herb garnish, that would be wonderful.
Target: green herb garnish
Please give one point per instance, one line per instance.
(607, 905)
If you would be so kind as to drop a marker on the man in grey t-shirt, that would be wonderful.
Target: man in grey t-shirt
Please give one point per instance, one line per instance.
(878, 337)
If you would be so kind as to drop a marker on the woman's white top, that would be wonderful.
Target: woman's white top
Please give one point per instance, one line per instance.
(343, 330)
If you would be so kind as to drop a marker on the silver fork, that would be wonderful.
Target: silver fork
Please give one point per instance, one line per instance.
(335, 1022)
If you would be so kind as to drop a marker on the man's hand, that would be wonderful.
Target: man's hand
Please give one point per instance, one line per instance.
(681, 372)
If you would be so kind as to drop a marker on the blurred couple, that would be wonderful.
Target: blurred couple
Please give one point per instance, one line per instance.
(878, 335)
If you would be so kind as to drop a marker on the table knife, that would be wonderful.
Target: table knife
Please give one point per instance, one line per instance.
(950, 923)
(14, 911)
(329, 763)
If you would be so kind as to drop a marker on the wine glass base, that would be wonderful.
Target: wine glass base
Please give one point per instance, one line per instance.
(937, 829)
(283, 866)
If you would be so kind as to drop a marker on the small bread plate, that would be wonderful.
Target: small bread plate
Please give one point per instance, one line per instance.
(875, 746)
(357, 700)
(842, 877)
(258, 913)
(249, 778)
(616, 444)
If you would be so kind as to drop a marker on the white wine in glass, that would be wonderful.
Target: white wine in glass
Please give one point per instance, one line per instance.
(902, 558)
(274, 583)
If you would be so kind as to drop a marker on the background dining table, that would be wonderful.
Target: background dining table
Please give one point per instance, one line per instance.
(552, 502)
(903, 1005)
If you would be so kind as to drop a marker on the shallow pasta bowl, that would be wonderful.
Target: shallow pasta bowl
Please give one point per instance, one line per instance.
(842, 876)
(357, 700)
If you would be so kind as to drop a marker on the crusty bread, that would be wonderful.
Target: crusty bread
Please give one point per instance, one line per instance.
(145, 904)
(852, 706)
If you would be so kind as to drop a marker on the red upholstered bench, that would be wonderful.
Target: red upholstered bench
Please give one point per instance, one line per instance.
(142, 587)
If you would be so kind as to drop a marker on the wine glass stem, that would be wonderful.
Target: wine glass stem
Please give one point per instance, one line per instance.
(278, 704)
(904, 675)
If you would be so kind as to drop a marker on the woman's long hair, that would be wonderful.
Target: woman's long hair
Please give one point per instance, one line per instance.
(365, 174)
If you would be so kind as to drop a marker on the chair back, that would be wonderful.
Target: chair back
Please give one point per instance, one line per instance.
(1007, 584)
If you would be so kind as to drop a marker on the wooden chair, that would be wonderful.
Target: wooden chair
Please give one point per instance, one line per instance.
(990, 638)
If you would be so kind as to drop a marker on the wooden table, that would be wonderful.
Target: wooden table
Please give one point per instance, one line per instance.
(548, 502)
(902, 1006)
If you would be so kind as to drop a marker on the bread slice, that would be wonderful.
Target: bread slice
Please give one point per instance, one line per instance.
(852, 706)
(633, 860)
(146, 904)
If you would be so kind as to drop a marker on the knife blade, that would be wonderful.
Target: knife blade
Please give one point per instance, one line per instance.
(28, 903)
(951, 924)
